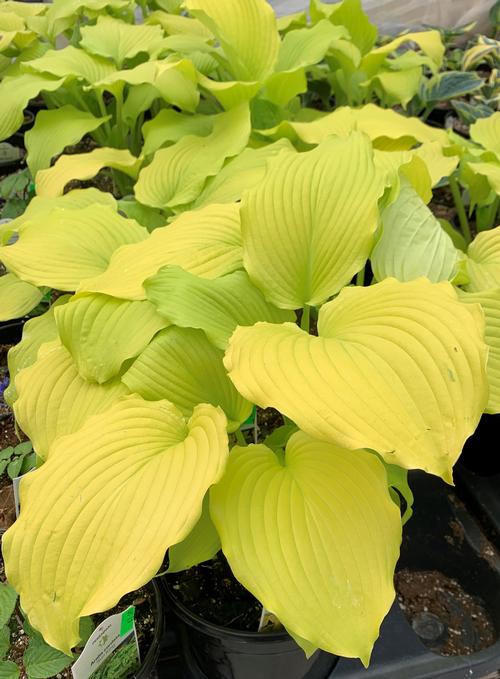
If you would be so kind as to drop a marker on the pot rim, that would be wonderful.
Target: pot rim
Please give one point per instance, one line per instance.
(218, 630)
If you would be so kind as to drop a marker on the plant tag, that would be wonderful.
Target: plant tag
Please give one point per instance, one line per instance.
(249, 423)
(269, 622)
(112, 650)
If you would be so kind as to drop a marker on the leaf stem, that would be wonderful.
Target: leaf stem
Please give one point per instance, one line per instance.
(462, 215)
(306, 315)
(360, 276)
(240, 438)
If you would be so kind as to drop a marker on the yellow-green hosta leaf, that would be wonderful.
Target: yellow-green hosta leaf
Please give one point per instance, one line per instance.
(239, 174)
(63, 9)
(23, 9)
(489, 170)
(206, 242)
(40, 206)
(178, 173)
(36, 331)
(486, 131)
(83, 166)
(64, 247)
(490, 303)
(307, 46)
(178, 24)
(429, 42)
(399, 368)
(438, 164)
(246, 31)
(174, 81)
(15, 93)
(118, 40)
(412, 243)
(214, 306)
(53, 131)
(483, 263)
(102, 332)
(396, 87)
(53, 399)
(17, 297)
(230, 94)
(182, 366)
(315, 536)
(386, 128)
(72, 62)
(14, 32)
(99, 515)
(201, 544)
(398, 165)
(304, 237)
(169, 126)
(350, 14)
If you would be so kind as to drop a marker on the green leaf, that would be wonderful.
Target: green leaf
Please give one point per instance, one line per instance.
(278, 439)
(470, 113)
(118, 40)
(8, 599)
(449, 84)
(53, 131)
(87, 626)
(456, 237)
(201, 544)
(303, 236)
(145, 216)
(206, 242)
(397, 479)
(246, 31)
(399, 368)
(92, 324)
(8, 670)
(314, 535)
(178, 173)
(14, 467)
(4, 642)
(412, 243)
(17, 297)
(182, 366)
(215, 306)
(41, 660)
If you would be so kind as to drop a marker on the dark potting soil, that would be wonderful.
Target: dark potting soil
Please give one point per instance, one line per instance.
(211, 592)
(448, 620)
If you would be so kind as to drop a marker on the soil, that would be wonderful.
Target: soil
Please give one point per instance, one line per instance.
(211, 591)
(448, 620)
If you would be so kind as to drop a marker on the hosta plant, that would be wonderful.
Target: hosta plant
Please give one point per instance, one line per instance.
(133, 389)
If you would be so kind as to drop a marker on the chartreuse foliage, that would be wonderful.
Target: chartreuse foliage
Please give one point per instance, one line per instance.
(129, 387)
(213, 80)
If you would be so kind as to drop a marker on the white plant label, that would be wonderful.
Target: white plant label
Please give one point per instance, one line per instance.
(112, 649)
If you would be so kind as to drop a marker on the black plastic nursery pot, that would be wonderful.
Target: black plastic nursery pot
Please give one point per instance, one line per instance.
(478, 475)
(150, 660)
(442, 537)
(11, 331)
(213, 652)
